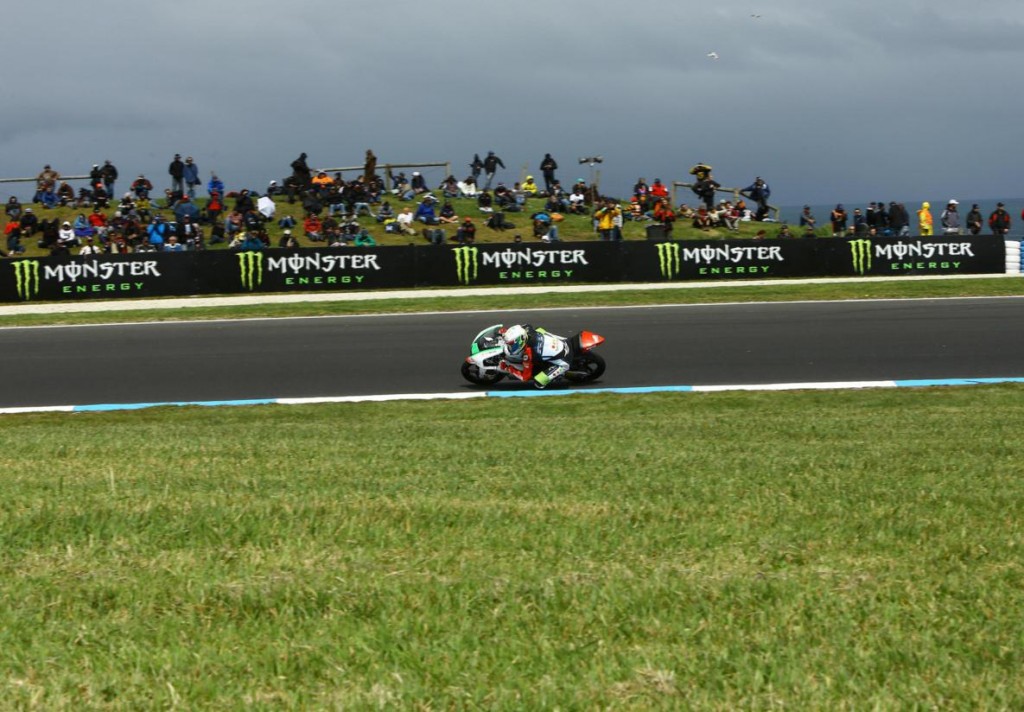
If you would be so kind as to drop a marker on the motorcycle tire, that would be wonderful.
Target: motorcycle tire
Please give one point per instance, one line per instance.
(472, 374)
(588, 367)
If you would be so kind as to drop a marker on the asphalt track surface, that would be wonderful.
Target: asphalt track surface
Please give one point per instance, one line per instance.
(421, 353)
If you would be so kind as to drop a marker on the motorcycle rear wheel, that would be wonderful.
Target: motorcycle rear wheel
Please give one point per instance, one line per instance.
(588, 367)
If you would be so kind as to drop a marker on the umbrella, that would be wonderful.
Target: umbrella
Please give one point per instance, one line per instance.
(266, 206)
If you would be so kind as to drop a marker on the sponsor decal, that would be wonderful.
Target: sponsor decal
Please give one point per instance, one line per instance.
(717, 259)
(522, 264)
(94, 276)
(860, 253)
(250, 269)
(903, 256)
(467, 264)
(26, 278)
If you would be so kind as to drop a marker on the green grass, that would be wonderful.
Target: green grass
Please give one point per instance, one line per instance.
(854, 550)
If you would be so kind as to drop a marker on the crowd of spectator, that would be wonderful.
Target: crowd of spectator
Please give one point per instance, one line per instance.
(182, 220)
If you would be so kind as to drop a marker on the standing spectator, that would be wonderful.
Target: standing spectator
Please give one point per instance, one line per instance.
(177, 172)
(838, 219)
(950, 219)
(975, 220)
(95, 176)
(46, 182)
(475, 167)
(191, 176)
(369, 167)
(108, 173)
(491, 164)
(606, 217)
(215, 185)
(924, 220)
(860, 224)
(807, 220)
(899, 219)
(548, 166)
(759, 192)
(999, 221)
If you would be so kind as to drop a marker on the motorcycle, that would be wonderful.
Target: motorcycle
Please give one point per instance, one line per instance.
(481, 366)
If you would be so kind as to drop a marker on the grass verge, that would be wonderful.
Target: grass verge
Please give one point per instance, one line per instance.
(718, 551)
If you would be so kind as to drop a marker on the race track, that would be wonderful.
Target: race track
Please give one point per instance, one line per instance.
(421, 353)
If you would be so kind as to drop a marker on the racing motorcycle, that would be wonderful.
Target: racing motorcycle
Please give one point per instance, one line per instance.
(481, 366)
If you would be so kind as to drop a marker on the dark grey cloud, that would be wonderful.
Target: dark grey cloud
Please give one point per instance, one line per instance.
(862, 101)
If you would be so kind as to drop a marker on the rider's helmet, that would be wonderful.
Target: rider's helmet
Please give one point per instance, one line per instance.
(515, 338)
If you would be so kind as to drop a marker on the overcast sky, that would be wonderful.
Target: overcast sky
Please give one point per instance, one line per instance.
(828, 101)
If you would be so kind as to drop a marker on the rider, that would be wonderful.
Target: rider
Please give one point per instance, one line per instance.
(534, 353)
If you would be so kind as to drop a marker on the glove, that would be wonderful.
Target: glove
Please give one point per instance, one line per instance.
(504, 367)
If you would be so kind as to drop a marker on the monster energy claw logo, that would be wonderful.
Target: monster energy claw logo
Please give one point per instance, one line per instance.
(467, 266)
(668, 259)
(860, 251)
(250, 269)
(26, 278)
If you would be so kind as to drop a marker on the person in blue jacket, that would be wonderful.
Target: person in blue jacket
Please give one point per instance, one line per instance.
(425, 212)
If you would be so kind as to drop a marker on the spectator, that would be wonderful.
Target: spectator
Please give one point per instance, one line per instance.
(29, 223)
(176, 169)
(759, 192)
(950, 219)
(899, 219)
(447, 214)
(65, 194)
(141, 186)
(418, 184)
(66, 238)
(704, 185)
(784, 232)
(191, 175)
(12, 231)
(702, 219)
(975, 221)
(475, 166)
(301, 176)
(46, 182)
(838, 220)
(186, 207)
(606, 217)
(425, 212)
(188, 233)
(13, 208)
(924, 220)
(664, 214)
(807, 219)
(172, 244)
(364, 239)
(529, 187)
(577, 201)
(860, 224)
(658, 189)
(108, 173)
(548, 166)
(313, 228)
(385, 212)
(248, 242)
(999, 221)
(404, 221)
(287, 240)
(466, 232)
(157, 233)
(491, 164)
(485, 202)
(89, 248)
(215, 185)
(214, 207)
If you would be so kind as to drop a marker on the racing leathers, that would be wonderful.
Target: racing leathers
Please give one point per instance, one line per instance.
(544, 359)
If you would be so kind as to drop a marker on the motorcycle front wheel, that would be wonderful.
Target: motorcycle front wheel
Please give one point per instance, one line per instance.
(472, 374)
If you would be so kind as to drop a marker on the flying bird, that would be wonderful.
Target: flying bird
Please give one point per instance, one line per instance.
(713, 55)
(756, 17)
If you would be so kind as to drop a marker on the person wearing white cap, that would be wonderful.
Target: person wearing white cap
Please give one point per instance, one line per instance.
(950, 218)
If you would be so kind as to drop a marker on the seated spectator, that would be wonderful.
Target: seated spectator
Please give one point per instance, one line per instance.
(90, 248)
(784, 231)
(247, 242)
(658, 189)
(172, 244)
(29, 223)
(503, 198)
(446, 215)
(385, 212)
(189, 233)
(577, 201)
(702, 219)
(286, 222)
(640, 187)
(664, 214)
(157, 233)
(529, 187)
(66, 237)
(99, 223)
(287, 240)
(466, 232)
(13, 208)
(12, 231)
(313, 228)
(364, 239)
(468, 188)
(404, 222)
(244, 201)
(449, 187)
(425, 213)
(485, 202)
(544, 228)
(186, 208)
(65, 194)
(729, 216)
(214, 207)
(418, 184)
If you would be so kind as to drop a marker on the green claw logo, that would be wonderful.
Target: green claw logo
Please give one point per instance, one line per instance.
(467, 264)
(860, 251)
(26, 278)
(250, 269)
(668, 259)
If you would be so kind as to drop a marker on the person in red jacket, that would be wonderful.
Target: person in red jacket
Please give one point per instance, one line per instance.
(999, 221)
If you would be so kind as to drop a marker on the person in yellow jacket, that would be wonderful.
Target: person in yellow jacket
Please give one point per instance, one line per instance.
(529, 186)
(924, 219)
(609, 218)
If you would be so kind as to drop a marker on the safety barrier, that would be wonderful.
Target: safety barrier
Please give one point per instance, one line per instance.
(332, 269)
(1014, 259)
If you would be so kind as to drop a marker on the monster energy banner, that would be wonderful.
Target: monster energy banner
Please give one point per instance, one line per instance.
(96, 277)
(712, 260)
(960, 254)
(558, 263)
(306, 270)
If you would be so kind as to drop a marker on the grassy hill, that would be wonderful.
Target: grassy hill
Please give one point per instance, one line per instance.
(573, 228)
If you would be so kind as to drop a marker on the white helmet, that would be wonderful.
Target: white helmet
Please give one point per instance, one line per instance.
(515, 338)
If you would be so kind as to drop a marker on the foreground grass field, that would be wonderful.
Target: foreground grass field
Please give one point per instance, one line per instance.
(812, 550)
